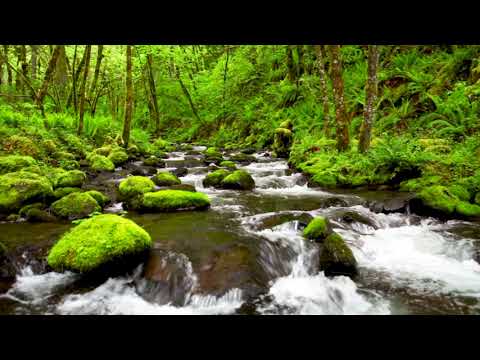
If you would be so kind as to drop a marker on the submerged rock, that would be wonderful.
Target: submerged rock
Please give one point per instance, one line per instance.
(75, 206)
(238, 180)
(172, 200)
(135, 185)
(336, 258)
(165, 178)
(102, 241)
(20, 188)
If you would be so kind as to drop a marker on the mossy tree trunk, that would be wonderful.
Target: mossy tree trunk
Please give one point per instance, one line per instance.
(371, 98)
(324, 89)
(81, 110)
(154, 114)
(341, 116)
(33, 62)
(9, 69)
(129, 98)
(290, 63)
(76, 74)
(52, 64)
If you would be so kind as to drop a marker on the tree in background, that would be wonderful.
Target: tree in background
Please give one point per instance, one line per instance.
(154, 114)
(371, 98)
(129, 98)
(83, 85)
(341, 116)
(323, 88)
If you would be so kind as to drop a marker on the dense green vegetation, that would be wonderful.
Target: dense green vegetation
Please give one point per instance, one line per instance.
(61, 105)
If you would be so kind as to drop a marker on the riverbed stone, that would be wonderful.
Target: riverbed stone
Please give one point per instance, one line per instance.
(101, 163)
(318, 229)
(214, 179)
(282, 143)
(165, 178)
(75, 206)
(238, 180)
(336, 258)
(97, 242)
(12, 163)
(135, 185)
(172, 200)
(72, 178)
(118, 157)
(20, 188)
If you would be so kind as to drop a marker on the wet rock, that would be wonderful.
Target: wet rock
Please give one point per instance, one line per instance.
(399, 203)
(318, 229)
(248, 151)
(238, 180)
(38, 215)
(75, 206)
(135, 185)
(138, 170)
(193, 152)
(167, 278)
(335, 202)
(283, 217)
(214, 179)
(154, 161)
(173, 200)
(230, 165)
(165, 178)
(72, 178)
(349, 217)
(179, 172)
(185, 187)
(242, 158)
(336, 258)
(282, 142)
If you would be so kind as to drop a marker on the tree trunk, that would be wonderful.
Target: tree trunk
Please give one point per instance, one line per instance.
(33, 62)
(225, 72)
(290, 63)
(153, 94)
(47, 78)
(129, 99)
(76, 74)
(83, 85)
(324, 89)
(301, 61)
(342, 121)
(91, 94)
(371, 98)
(9, 69)
(187, 94)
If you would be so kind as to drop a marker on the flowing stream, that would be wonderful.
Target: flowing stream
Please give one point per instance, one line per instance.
(246, 255)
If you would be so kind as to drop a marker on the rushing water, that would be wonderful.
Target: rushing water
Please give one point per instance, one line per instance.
(246, 255)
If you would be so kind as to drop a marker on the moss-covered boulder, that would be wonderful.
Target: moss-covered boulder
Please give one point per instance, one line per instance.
(163, 145)
(214, 179)
(21, 145)
(72, 178)
(185, 187)
(213, 155)
(69, 164)
(39, 215)
(153, 161)
(63, 155)
(318, 229)
(101, 163)
(25, 209)
(135, 185)
(282, 142)
(12, 163)
(172, 200)
(98, 242)
(75, 206)
(20, 188)
(238, 180)
(100, 198)
(49, 146)
(336, 258)
(165, 178)
(104, 150)
(118, 157)
(64, 191)
(230, 165)
(242, 158)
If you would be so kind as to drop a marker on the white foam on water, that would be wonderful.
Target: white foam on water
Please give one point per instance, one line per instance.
(114, 208)
(418, 257)
(193, 179)
(296, 190)
(305, 292)
(277, 182)
(270, 166)
(36, 288)
(115, 297)
(199, 148)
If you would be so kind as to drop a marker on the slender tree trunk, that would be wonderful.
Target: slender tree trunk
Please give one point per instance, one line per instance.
(73, 95)
(33, 62)
(83, 85)
(187, 94)
(1, 70)
(342, 121)
(129, 99)
(324, 89)
(47, 79)
(371, 98)
(225, 72)
(301, 61)
(74, 84)
(153, 94)
(9, 69)
(93, 87)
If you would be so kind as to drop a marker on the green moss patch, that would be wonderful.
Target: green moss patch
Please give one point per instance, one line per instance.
(171, 200)
(12, 163)
(318, 229)
(214, 179)
(96, 242)
(238, 180)
(135, 185)
(118, 157)
(72, 178)
(165, 178)
(336, 258)
(101, 163)
(75, 206)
